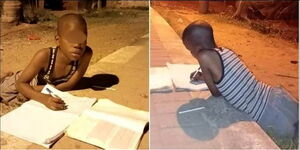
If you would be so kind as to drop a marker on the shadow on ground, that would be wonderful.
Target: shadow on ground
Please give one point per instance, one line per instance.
(97, 82)
(205, 123)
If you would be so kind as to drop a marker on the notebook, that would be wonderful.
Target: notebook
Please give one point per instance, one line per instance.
(180, 75)
(36, 123)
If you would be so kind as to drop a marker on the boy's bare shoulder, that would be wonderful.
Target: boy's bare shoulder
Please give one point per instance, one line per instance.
(42, 53)
(41, 57)
(206, 55)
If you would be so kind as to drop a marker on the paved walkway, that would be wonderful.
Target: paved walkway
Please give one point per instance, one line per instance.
(130, 65)
(217, 126)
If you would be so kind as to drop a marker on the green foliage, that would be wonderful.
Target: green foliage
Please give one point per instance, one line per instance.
(45, 15)
(37, 15)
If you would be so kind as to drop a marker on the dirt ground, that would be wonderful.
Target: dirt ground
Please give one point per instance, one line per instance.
(273, 59)
(108, 31)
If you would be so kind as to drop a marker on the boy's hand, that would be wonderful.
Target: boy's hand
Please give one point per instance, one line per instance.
(197, 77)
(55, 103)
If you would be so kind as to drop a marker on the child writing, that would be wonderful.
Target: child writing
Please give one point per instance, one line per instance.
(275, 110)
(61, 66)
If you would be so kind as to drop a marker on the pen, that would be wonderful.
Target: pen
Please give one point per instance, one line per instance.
(52, 94)
(194, 75)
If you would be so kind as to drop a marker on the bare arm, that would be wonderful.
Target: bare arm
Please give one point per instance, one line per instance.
(23, 83)
(205, 62)
(84, 63)
(38, 88)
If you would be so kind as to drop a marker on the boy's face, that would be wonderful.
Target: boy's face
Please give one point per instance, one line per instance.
(191, 48)
(72, 47)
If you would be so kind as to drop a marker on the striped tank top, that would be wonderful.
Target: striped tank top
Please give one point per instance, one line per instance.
(44, 77)
(240, 87)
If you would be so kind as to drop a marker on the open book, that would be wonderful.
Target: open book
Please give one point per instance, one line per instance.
(36, 123)
(162, 79)
(180, 75)
(110, 126)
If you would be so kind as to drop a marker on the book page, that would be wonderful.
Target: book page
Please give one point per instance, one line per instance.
(76, 105)
(35, 124)
(110, 125)
(114, 136)
(109, 107)
(104, 134)
(160, 80)
(129, 123)
(124, 139)
(180, 75)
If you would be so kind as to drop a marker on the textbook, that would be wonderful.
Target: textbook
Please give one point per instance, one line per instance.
(36, 123)
(110, 126)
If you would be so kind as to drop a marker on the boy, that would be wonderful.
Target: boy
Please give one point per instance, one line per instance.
(275, 110)
(62, 66)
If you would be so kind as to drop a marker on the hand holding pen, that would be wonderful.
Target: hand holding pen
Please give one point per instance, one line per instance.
(196, 75)
(54, 102)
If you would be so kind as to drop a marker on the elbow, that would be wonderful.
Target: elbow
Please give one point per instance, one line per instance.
(216, 94)
(18, 84)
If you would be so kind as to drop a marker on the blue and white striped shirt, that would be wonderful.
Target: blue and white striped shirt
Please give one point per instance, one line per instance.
(240, 87)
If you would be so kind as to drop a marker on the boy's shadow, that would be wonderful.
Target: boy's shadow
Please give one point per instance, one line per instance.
(97, 82)
(204, 123)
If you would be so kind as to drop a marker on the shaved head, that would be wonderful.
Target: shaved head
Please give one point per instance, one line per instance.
(72, 27)
(71, 22)
(199, 35)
